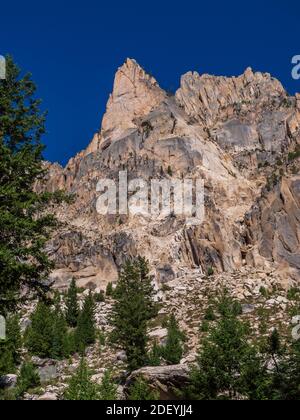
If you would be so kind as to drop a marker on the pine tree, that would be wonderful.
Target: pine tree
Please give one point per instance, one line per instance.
(39, 335)
(133, 308)
(28, 378)
(109, 289)
(227, 361)
(11, 347)
(85, 334)
(141, 391)
(25, 225)
(72, 305)
(154, 357)
(81, 387)
(7, 364)
(286, 378)
(173, 350)
(60, 344)
(107, 389)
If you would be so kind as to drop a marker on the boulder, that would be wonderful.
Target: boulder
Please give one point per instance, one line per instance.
(48, 396)
(163, 379)
(8, 381)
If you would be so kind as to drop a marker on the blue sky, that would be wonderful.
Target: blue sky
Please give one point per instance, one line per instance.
(73, 49)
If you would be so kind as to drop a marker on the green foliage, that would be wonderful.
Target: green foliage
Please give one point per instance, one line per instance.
(48, 335)
(294, 294)
(99, 297)
(170, 171)
(39, 337)
(228, 307)
(286, 378)
(210, 314)
(109, 289)
(72, 311)
(11, 347)
(133, 309)
(81, 387)
(107, 389)
(25, 225)
(204, 326)
(173, 350)
(154, 357)
(228, 365)
(60, 345)
(294, 155)
(27, 379)
(7, 364)
(210, 271)
(140, 391)
(101, 337)
(85, 334)
(264, 292)
(8, 395)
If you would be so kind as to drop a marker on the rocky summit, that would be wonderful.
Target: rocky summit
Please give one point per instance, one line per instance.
(149, 305)
(241, 135)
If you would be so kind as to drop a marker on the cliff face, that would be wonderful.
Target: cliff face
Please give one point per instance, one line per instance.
(235, 133)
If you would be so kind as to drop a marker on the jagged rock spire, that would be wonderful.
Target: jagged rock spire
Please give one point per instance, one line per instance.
(134, 94)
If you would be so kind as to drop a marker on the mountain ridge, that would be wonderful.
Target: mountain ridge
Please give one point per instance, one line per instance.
(236, 133)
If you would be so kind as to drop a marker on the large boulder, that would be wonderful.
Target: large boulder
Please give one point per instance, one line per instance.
(8, 381)
(163, 379)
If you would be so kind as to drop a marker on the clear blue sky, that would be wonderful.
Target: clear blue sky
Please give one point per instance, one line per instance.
(73, 49)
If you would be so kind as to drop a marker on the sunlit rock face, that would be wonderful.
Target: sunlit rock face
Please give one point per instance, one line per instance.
(239, 134)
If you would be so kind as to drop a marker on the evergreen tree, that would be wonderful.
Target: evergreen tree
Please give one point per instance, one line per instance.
(154, 357)
(7, 364)
(173, 350)
(274, 348)
(14, 337)
(60, 344)
(72, 305)
(133, 308)
(228, 365)
(10, 347)
(286, 378)
(109, 289)
(107, 389)
(25, 226)
(85, 334)
(81, 388)
(140, 391)
(28, 378)
(39, 335)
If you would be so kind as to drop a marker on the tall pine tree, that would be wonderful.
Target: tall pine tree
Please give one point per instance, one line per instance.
(10, 348)
(133, 309)
(72, 305)
(229, 366)
(81, 387)
(85, 334)
(24, 224)
(173, 350)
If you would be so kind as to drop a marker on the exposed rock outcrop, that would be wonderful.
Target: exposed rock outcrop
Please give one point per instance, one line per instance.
(273, 227)
(162, 379)
(231, 132)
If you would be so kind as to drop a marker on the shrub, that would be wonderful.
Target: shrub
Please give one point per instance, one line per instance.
(173, 350)
(28, 378)
(140, 391)
(210, 271)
